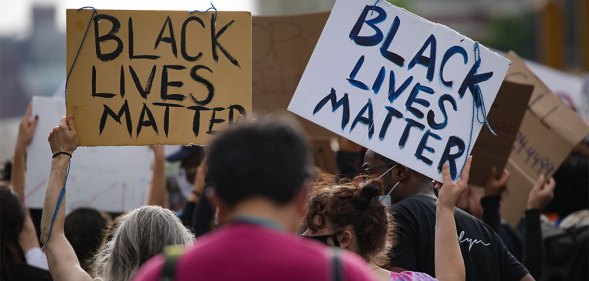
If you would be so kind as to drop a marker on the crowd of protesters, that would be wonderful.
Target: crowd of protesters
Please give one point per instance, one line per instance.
(251, 206)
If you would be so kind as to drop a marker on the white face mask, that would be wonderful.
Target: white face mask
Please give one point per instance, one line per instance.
(386, 199)
(183, 184)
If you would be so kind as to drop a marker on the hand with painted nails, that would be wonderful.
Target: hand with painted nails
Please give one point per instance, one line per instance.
(27, 127)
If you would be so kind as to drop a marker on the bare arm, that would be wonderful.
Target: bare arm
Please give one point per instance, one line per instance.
(157, 190)
(448, 260)
(61, 258)
(28, 235)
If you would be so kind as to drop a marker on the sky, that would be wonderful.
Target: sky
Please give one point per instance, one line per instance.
(15, 16)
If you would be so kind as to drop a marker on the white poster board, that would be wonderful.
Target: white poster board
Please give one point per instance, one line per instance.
(399, 85)
(113, 179)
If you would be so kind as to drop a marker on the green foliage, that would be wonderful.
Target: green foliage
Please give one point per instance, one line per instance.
(512, 33)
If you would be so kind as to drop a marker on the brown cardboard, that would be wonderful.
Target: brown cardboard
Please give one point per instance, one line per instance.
(324, 156)
(505, 117)
(549, 131)
(282, 46)
(195, 52)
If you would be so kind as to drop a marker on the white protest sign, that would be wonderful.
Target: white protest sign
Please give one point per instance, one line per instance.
(113, 179)
(568, 87)
(399, 85)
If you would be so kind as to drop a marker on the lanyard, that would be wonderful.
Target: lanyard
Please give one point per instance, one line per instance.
(258, 221)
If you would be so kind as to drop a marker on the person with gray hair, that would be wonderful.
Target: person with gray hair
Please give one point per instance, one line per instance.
(139, 235)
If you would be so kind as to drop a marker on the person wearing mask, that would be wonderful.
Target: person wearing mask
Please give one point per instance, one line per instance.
(414, 210)
(352, 217)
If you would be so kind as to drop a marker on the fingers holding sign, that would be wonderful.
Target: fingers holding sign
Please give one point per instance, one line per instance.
(63, 138)
(542, 193)
(450, 191)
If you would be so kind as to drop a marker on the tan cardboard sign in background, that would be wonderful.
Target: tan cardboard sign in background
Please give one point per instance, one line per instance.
(157, 77)
(549, 131)
(505, 118)
(282, 46)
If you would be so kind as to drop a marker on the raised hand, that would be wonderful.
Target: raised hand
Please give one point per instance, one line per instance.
(27, 127)
(63, 138)
(542, 193)
(496, 186)
(450, 191)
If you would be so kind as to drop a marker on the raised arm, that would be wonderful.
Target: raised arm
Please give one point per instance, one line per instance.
(26, 130)
(494, 189)
(448, 260)
(28, 236)
(533, 250)
(158, 194)
(62, 260)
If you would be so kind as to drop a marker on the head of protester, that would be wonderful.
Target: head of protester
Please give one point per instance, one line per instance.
(353, 217)
(399, 181)
(261, 172)
(11, 222)
(84, 229)
(140, 235)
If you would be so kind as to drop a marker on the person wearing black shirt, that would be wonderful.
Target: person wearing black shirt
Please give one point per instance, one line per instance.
(414, 205)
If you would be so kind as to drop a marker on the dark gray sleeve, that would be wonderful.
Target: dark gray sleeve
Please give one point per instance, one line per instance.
(533, 252)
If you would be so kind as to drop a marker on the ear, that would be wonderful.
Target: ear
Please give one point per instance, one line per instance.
(345, 239)
(402, 173)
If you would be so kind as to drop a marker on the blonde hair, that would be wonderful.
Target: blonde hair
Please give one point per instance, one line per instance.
(140, 235)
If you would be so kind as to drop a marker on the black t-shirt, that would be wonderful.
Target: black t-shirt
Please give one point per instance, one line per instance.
(27, 272)
(485, 256)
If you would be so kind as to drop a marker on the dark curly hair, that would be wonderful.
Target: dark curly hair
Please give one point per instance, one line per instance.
(349, 204)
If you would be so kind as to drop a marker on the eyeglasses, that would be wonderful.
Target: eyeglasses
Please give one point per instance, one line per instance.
(324, 238)
(366, 170)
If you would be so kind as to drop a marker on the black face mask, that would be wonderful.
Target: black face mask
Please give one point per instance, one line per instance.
(324, 238)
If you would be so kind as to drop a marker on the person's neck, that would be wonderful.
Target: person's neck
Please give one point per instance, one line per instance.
(260, 208)
(424, 188)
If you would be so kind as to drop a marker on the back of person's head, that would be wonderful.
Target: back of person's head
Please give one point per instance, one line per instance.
(140, 235)
(268, 158)
(6, 171)
(84, 229)
(343, 205)
(11, 222)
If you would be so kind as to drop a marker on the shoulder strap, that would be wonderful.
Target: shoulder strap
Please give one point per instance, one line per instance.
(171, 256)
(335, 264)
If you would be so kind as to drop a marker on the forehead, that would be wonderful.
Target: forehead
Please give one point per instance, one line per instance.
(371, 158)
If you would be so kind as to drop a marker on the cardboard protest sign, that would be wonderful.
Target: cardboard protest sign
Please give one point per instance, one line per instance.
(282, 46)
(506, 116)
(324, 156)
(114, 179)
(399, 85)
(568, 87)
(155, 77)
(549, 131)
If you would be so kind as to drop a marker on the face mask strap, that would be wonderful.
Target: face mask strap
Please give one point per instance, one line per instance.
(391, 168)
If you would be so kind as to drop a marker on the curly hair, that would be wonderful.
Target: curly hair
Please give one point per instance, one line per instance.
(348, 204)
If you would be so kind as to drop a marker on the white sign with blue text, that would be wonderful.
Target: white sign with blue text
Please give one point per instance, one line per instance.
(414, 91)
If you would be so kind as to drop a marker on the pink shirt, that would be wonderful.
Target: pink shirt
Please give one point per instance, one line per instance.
(252, 252)
(411, 276)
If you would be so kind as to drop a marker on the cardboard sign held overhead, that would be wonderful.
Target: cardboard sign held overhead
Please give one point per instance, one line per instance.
(282, 46)
(113, 179)
(506, 116)
(157, 77)
(548, 133)
(399, 85)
